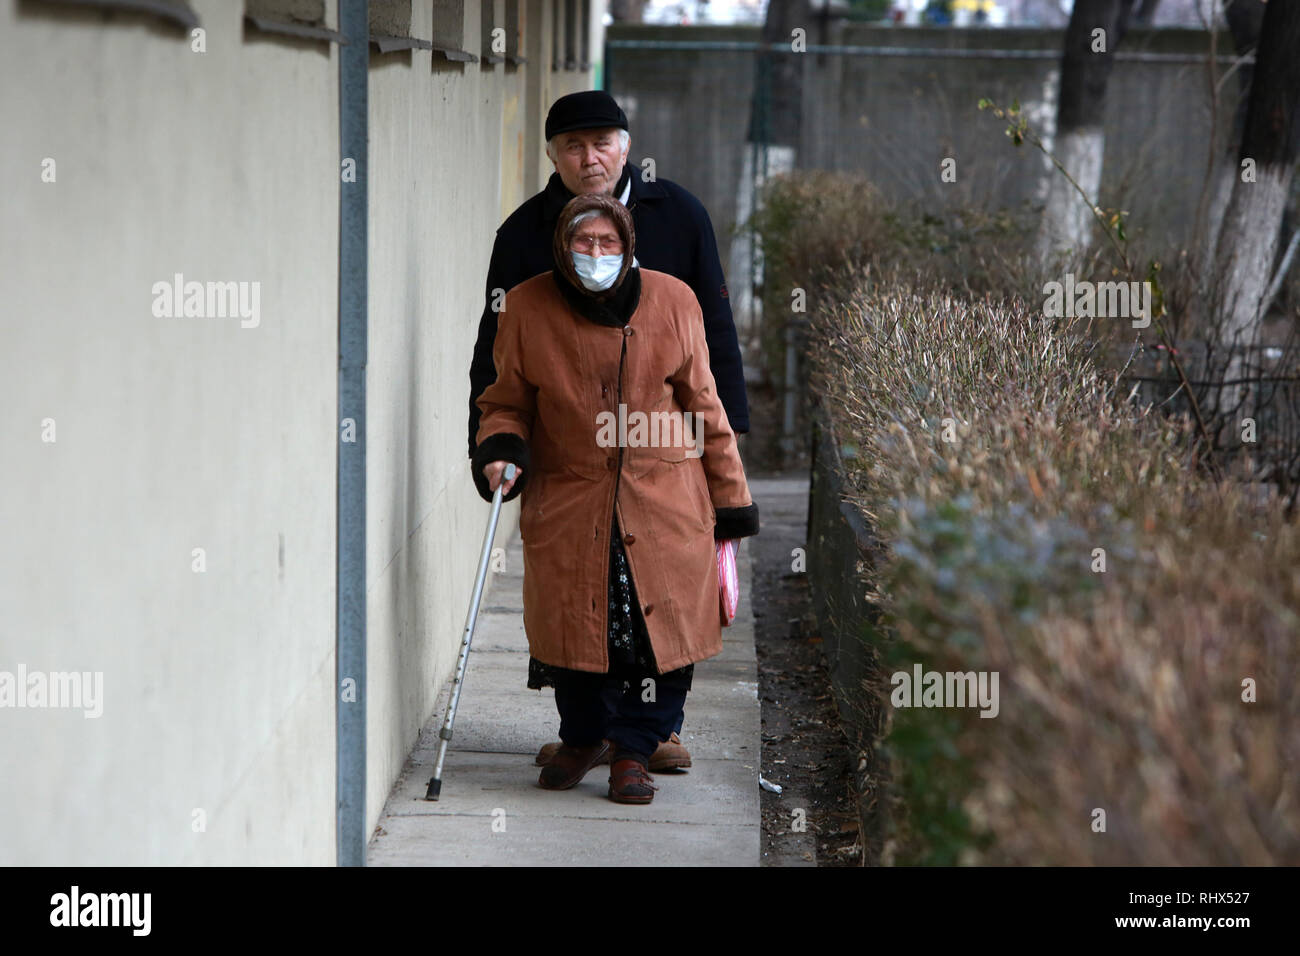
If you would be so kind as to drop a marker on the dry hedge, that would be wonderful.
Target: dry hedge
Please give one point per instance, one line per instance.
(994, 458)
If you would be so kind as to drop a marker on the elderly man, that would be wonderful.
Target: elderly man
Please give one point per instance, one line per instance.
(587, 140)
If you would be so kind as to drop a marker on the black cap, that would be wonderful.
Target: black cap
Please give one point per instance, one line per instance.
(590, 109)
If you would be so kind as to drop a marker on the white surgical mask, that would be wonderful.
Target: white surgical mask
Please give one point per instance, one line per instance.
(597, 272)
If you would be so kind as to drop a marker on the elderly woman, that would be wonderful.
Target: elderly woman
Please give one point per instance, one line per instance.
(629, 473)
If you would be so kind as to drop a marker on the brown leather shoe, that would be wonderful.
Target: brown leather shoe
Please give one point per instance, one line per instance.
(548, 751)
(629, 782)
(670, 756)
(570, 765)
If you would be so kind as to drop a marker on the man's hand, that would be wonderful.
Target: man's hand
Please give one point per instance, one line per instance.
(493, 472)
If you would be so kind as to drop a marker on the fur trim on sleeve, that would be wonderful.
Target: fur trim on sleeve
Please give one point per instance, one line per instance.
(503, 446)
(736, 523)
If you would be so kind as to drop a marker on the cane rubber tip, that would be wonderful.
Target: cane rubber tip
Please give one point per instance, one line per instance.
(434, 791)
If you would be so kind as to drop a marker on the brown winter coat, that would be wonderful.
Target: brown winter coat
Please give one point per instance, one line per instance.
(556, 370)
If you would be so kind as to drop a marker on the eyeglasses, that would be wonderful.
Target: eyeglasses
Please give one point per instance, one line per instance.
(587, 244)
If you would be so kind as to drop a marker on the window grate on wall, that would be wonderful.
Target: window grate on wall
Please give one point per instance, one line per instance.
(491, 51)
(300, 19)
(570, 34)
(514, 38)
(584, 31)
(557, 32)
(390, 27)
(175, 12)
(448, 44)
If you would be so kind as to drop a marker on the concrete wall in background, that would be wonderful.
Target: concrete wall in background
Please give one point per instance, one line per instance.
(216, 741)
(897, 118)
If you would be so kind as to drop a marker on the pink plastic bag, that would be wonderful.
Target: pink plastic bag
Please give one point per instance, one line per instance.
(728, 581)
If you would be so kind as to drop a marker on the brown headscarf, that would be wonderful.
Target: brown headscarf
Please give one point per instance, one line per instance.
(606, 206)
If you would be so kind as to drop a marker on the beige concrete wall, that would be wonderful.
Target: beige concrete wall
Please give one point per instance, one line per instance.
(171, 434)
(450, 152)
(435, 148)
(181, 433)
(174, 433)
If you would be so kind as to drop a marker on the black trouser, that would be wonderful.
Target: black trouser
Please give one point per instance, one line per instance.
(594, 707)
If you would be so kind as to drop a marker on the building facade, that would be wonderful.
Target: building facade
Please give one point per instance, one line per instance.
(169, 351)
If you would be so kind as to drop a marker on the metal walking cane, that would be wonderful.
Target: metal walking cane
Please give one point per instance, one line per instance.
(435, 782)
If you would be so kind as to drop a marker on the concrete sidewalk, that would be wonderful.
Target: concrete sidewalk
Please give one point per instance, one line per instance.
(493, 813)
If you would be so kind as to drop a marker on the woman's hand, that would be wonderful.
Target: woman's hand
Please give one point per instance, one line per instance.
(493, 472)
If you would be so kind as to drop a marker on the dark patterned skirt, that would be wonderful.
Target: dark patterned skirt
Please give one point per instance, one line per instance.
(630, 653)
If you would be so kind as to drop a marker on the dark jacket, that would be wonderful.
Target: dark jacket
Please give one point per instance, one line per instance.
(673, 235)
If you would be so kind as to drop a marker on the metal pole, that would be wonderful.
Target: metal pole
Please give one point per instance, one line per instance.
(604, 77)
(350, 622)
(467, 636)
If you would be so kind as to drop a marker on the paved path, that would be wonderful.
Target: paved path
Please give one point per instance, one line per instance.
(493, 813)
